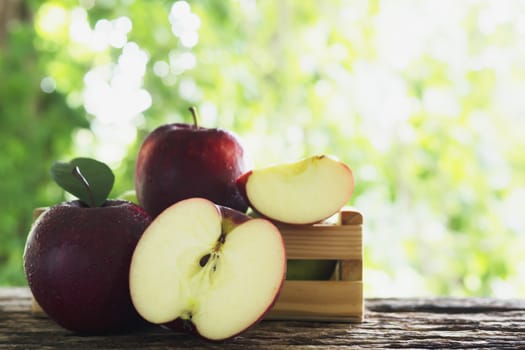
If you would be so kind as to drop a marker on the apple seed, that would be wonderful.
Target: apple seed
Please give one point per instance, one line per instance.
(204, 260)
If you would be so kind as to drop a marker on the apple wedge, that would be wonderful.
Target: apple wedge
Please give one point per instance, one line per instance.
(211, 269)
(303, 192)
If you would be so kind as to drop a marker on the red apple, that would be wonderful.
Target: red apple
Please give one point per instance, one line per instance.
(303, 192)
(207, 269)
(78, 253)
(77, 259)
(180, 161)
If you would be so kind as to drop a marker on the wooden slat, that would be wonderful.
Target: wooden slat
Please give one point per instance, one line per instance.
(340, 238)
(323, 242)
(320, 301)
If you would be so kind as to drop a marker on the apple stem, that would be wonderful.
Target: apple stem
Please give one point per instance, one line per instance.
(78, 174)
(195, 115)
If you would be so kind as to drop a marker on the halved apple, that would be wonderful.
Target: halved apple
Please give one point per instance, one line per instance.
(209, 268)
(303, 192)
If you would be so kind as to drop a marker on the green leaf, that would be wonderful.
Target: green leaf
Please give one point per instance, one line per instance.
(87, 179)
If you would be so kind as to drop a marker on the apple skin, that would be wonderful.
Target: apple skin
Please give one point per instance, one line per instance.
(77, 259)
(181, 161)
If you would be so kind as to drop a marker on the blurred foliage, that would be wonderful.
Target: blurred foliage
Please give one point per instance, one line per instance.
(421, 99)
(35, 130)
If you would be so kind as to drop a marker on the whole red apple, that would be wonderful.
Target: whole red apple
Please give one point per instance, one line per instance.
(181, 161)
(77, 256)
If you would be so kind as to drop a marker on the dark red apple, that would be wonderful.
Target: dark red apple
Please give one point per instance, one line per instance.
(78, 253)
(77, 261)
(181, 161)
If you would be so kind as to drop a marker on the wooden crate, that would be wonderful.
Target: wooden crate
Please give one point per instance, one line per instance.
(339, 299)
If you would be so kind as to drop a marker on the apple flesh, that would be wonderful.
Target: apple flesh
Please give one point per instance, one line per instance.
(211, 269)
(77, 259)
(181, 161)
(303, 192)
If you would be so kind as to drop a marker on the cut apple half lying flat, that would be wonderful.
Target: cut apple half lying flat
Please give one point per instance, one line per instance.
(211, 268)
(303, 192)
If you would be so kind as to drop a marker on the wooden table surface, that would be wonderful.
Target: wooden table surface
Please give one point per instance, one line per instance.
(389, 323)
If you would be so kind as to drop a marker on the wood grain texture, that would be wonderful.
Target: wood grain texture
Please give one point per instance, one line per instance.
(444, 323)
(340, 299)
(330, 242)
(320, 301)
(336, 241)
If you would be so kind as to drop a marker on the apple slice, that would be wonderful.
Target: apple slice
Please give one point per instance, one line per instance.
(303, 192)
(210, 268)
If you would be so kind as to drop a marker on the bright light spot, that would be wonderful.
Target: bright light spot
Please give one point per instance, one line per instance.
(382, 122)
(161, 69)
(472, 282)
(79, 29)
(103, 26)
(316, 37)
(119, 33)
(209, 113)
(52, 20)
(338, 51)
(511, 211)
(441, 102)
(368, 173)
(123, 25)
(114, 147)
(184, 23)
(189, 39)
(106, 33)
(48, 85)
(131, 66)
(249, 6)
(182, 62)
(179, 10)
(188, 90)
(294, 135)
(83, 141)
(307, 63)
(323, 88)
(497, 13)
(503, 289)
(114, 93)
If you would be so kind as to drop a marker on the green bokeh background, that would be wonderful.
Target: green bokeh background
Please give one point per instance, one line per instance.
(423, 100)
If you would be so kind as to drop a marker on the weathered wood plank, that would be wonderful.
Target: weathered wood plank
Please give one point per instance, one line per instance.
(389, 323)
